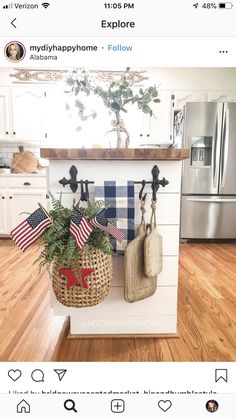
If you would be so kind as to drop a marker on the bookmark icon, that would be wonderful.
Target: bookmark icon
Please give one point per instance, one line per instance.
(221, 374)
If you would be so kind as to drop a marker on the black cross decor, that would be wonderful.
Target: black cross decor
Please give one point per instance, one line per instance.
(156, 182)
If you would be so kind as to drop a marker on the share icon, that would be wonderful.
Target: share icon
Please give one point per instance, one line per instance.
(60, 373)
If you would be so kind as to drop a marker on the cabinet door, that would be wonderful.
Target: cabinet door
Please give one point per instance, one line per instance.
(3, 213)
(150, 130)
(28, 107)
(160, 123)
(144, 128)
(139, 126)
(61, 123)
(183, 96)
(4, 114)
(23, 203)
(222, 96)
(67, 125)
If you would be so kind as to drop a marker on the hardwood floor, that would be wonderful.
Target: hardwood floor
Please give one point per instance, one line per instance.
(206, 320)
(28, 329)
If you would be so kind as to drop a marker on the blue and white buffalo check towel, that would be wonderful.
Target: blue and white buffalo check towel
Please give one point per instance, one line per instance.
(119, 196)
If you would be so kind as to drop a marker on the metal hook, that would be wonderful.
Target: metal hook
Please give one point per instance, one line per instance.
(82, 193)
(142, 198)
(86, 190)
(155, 182)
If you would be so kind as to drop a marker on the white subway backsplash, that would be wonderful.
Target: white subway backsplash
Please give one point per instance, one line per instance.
(7, 150)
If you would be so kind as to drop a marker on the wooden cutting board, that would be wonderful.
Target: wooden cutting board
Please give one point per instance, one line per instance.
(24, 162)
(137, 285)
(153, 258)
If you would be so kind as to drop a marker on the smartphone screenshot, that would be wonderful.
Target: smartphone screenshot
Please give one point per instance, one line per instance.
(117, 209)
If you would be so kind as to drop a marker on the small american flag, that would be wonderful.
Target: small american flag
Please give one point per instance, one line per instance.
(101, 222)
(80, 227)
(29, 230)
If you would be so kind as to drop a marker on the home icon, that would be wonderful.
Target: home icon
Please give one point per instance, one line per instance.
(23, 407)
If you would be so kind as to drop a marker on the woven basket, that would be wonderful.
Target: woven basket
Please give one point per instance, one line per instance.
(99, 281)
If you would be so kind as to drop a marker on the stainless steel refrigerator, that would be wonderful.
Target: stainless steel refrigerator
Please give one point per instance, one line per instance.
(208, 207)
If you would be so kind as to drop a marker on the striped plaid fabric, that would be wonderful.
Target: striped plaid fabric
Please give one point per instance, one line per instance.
(101, 222)
(80, 227)
(29, 230)
(119, 196)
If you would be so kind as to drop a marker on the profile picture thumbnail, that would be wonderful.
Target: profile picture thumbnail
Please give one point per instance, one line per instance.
(14, 51)
(212, 406)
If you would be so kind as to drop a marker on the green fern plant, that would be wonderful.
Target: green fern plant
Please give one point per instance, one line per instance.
(60, 247)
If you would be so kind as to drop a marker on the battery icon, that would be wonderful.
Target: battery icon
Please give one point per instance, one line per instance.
(227, 5)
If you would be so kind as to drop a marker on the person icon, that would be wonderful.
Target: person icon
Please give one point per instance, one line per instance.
(212, 406)
(14, 51)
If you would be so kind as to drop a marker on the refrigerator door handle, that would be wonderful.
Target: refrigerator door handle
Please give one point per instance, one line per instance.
(211, 200)
(216, 148)
(225, 146)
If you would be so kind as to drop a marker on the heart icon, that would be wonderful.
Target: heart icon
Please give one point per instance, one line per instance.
(164, 405)
(14, 374)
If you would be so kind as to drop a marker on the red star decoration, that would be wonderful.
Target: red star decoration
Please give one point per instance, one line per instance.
(84, 273)
(71, 278)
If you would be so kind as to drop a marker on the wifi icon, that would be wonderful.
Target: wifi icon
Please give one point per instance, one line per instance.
(45, 5)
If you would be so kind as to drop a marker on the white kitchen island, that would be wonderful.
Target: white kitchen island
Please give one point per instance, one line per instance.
(156, 315)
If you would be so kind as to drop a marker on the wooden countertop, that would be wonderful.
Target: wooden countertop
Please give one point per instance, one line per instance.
(114, 153)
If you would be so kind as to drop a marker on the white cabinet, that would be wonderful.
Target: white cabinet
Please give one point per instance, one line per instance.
(144, 129)
(222, 96)
(22, 114)
(22, 204)
(183, 96)
(160, 125)
(4, 114)
(19, 197)
(3, 205)
(28, 107)
(62, 123)
(3, 213)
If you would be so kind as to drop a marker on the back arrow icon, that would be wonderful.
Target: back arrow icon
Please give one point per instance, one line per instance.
(12, 22)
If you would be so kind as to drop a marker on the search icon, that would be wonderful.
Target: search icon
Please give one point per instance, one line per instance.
(69, 404)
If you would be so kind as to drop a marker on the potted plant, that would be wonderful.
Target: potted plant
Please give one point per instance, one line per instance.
(115, 95)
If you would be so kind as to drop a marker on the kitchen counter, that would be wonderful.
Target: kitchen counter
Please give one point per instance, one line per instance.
(114, 153)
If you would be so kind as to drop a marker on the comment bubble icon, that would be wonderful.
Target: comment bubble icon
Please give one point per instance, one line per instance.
(37, 376)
